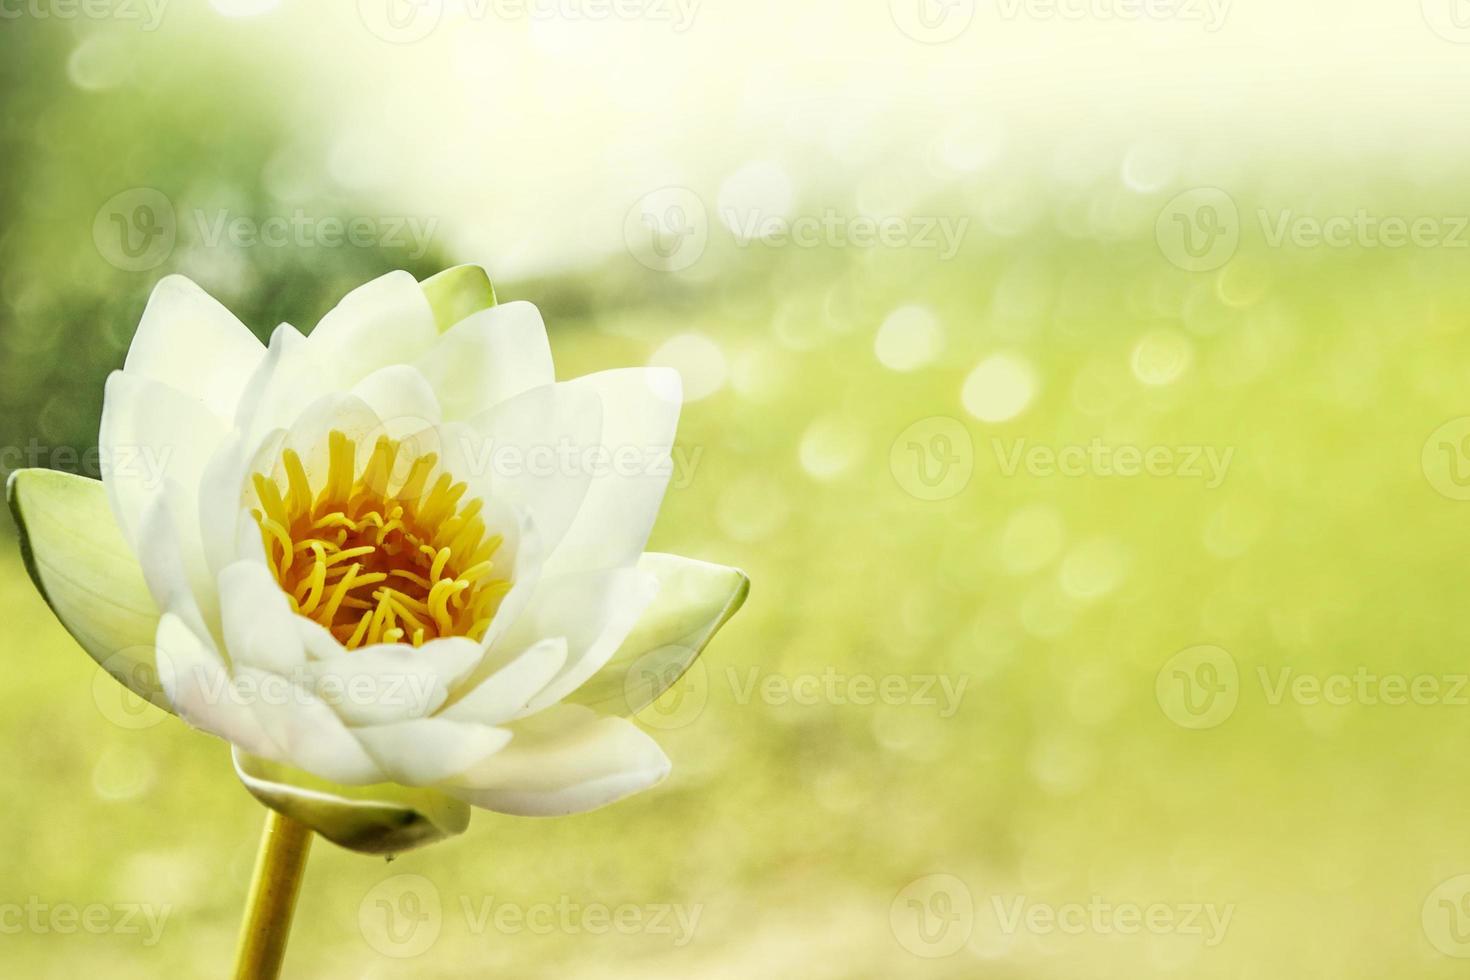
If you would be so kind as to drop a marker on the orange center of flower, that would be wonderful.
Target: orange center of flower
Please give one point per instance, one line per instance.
(374, 565)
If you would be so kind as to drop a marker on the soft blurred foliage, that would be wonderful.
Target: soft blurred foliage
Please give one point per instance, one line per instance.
(1331, 546)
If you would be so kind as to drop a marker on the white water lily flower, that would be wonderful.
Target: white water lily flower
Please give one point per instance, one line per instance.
(393, 562)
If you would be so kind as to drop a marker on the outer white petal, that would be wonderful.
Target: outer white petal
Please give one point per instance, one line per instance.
(640, 411)
(401, 397)
(565, 760)
(282, 385)
(259, 625)
(384, 683)
(425, 751)
(196, 683)
(695, 599)
(488, 357)
(532, 452)
(190, 342)
(166, 568)
(386, 321)
(505, 694)
(595, 612)
(305, 732)
(222, 497)
(151, 433)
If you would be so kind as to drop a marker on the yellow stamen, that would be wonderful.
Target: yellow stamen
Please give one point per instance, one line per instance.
(379, 565)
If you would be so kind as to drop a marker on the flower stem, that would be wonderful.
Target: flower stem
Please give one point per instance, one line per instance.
(279, 867)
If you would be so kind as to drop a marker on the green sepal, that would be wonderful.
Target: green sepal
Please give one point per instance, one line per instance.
(384, 818)
(694, 600)
(85, 570)
(457, 293)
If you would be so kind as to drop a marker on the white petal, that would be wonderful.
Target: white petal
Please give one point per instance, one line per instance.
(488, 357)
(594, 611)
(430, 750)
(150, 434)
(383, 683)
(258, 622)
(695, 599)
(640, 411)
(190, 342)
(222, 507)
(386, 321)
(505, 693)
(565, 760)
(282, 385)
(196, 683)
(401, 397)
(176, 587)
(535, 452)
(305, 731)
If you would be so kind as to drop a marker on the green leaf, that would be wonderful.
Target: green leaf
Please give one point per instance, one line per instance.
(458, 292)
(694, 600)
(85, 570)
(381, 819)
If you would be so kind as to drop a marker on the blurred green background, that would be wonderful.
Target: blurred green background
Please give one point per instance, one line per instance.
(984, 715)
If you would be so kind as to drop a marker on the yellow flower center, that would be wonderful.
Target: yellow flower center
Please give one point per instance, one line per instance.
(375, 566)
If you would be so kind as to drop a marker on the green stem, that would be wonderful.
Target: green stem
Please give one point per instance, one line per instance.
(279, 867)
